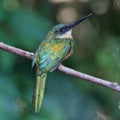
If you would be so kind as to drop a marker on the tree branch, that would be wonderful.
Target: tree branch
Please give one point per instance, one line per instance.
(112, 85)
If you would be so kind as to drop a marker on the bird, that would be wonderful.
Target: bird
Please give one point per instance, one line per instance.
(55, 48)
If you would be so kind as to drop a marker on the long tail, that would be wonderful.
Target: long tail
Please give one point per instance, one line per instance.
(39, 91)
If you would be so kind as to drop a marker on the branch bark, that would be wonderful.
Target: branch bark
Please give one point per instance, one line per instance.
(112, 85)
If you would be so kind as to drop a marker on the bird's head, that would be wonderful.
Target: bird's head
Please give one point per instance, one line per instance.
(65, 30)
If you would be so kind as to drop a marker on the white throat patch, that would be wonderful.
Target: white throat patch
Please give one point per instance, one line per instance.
(66, 35)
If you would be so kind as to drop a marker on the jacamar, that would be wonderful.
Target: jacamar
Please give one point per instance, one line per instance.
(57, 46)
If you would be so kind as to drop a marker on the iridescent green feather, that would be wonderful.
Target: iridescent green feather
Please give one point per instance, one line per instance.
(44, 64)
(39, 91)
(52, 51)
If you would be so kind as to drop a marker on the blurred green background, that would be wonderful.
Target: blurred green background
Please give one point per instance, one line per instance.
(25, 23)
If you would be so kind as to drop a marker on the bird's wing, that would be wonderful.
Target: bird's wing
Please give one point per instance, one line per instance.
(57, 54)
(51, 55)
(35, 56)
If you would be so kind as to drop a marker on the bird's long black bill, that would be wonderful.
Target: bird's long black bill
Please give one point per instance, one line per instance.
(70, 26)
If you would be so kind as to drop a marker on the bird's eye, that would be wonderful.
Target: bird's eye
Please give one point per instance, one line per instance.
(60, 30)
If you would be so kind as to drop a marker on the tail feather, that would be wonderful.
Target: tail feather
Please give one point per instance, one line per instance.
(39, 91)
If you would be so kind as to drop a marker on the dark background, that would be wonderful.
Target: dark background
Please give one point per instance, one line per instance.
(25, 23)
